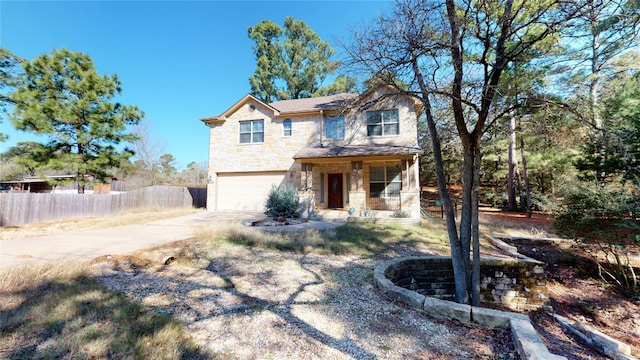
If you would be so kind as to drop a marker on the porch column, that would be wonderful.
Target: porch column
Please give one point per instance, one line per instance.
(410, 194)
(306, 177)
(357, 182)
(306, 193)
(357, 195)
(406, 174)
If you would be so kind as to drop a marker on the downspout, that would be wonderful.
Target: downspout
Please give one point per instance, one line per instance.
(416, 171)
(321, 127)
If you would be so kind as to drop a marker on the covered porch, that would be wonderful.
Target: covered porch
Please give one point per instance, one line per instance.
(360, 179)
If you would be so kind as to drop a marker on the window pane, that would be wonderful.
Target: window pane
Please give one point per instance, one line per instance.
(245, 138)
(287, 127)
(391, 116)
(258, 125)
(328, 128)
(245, 126)
(393, 189)
(348, 177)
(394, 174)
(374, 130)
(376, 174)
(374, 117)
(334, 127)
(321, 187)
(391, 129)
(376, 190)
(340, 125)
(258, 137)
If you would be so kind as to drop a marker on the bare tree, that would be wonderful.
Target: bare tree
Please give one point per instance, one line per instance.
(454, 53)
(147, 159)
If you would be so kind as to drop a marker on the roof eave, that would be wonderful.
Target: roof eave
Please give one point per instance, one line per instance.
(354, 157)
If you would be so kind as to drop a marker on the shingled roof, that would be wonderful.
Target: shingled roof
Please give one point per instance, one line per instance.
(318, 151)
(331, 102)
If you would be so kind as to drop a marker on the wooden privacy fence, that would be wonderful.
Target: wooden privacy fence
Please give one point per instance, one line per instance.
(26, 208)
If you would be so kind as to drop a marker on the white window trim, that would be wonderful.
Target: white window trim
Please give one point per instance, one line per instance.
(284, 127)
(382, 123)
(251, 132)
(324, 130)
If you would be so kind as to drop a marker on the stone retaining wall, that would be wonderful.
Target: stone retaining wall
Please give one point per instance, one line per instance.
(525, 338)
(517, 284)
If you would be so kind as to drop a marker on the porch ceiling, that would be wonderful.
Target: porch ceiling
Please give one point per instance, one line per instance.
(376, 150)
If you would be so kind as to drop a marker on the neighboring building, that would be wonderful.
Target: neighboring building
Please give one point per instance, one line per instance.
(44, 185)
(343, 151)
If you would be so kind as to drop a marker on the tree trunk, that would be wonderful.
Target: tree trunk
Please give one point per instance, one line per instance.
(594, 102)
(513, 166)
(475, 227)
(525, 171)
(460, 271)
(469, 223)
(467, 213)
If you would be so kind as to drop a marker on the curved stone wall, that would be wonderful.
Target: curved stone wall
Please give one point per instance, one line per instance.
(405, 280)
(516, 284)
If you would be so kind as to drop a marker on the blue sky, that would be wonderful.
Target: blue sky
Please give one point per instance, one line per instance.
(178, 61)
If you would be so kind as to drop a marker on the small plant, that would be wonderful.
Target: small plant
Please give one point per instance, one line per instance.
(282, 202)
(400, 214)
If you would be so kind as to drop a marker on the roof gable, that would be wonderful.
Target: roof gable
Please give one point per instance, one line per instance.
(246, 99)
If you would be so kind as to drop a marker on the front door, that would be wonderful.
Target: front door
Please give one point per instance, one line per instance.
(335, 191)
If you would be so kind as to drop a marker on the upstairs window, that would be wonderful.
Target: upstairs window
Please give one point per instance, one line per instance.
(382, 123)
(251, 131)
(286, 125)
(334, 127)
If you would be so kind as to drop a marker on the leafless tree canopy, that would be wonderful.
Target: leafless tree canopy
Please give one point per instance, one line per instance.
(451, 56)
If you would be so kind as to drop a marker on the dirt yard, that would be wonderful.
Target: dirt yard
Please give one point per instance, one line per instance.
(239, 301)
(575, 291)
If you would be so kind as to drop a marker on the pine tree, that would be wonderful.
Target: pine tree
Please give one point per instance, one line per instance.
(293, 62)
(64, 98)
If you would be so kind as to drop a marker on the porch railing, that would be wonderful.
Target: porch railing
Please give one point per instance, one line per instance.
(384, 203)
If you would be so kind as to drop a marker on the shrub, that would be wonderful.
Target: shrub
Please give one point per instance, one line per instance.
(282, 202)
(400, 214)
(603, 220)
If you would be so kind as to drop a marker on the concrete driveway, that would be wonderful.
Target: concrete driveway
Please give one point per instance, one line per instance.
(89, 244)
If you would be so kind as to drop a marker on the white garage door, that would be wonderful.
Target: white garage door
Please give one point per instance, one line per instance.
(246, 191)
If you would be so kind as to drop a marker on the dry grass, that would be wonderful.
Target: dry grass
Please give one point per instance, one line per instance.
(496, 222)
(57, 311)
(366, 240)
(133, 216)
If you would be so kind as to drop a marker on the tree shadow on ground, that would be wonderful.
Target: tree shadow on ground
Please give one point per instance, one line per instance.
(78, 318)
(321, 303)
(284, 308)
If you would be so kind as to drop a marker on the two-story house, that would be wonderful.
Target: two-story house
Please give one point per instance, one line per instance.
(345, 151)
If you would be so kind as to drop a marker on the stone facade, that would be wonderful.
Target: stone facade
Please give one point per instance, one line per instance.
(276, 154)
